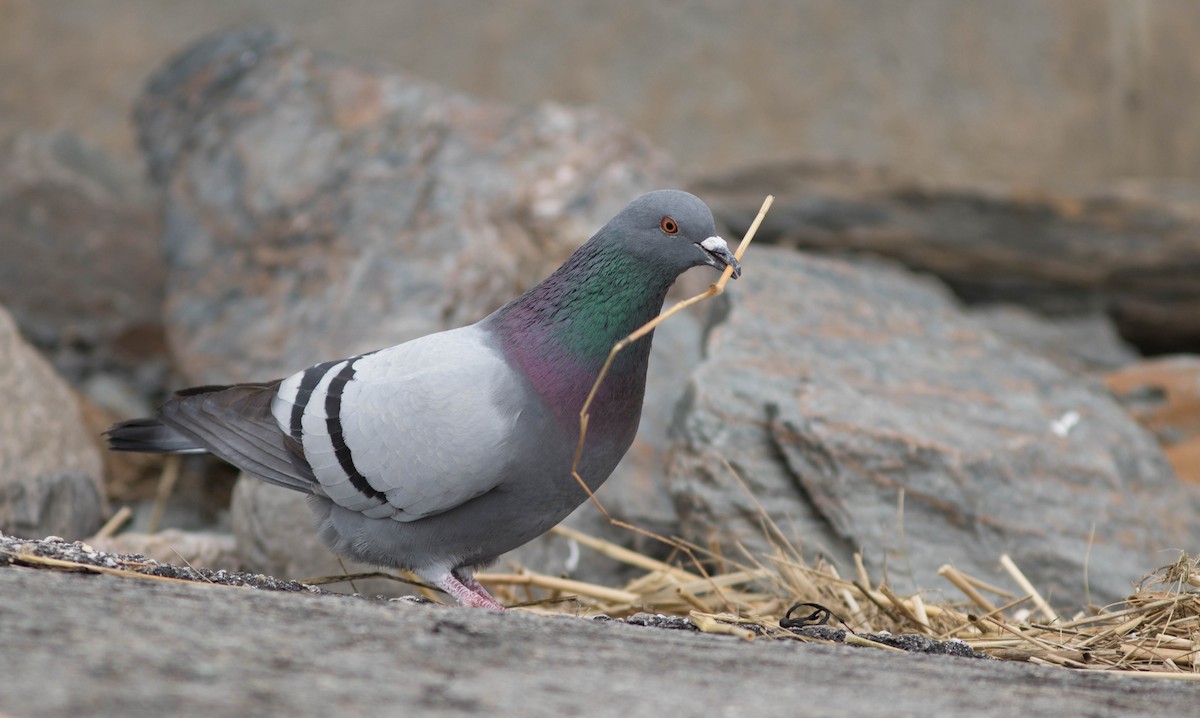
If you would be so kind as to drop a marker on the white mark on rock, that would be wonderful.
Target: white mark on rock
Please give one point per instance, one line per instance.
(1063, 424)
(572, 561)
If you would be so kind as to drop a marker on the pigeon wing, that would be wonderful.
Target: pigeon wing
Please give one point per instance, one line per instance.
(234, 423)
(409, 431)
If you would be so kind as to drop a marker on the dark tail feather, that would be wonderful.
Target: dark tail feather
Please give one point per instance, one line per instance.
(233, 423)
(150, 436)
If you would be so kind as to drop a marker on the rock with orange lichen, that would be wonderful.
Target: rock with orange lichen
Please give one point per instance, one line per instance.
(1164, 395)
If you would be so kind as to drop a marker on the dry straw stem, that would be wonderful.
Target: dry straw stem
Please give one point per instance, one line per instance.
(114, 523)
(622, 554)
(720, 625)
(1027, 587)
(166, 486)
(28, 558)
(554, 583)
(960, 582)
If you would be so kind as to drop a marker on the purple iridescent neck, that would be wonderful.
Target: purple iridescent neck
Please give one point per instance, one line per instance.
(560, 332)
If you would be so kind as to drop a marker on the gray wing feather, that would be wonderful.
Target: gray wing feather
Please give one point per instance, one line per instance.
(425, 422)
(235, 424)
(403, 433)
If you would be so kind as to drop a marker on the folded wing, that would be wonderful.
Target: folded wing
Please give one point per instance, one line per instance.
(405, 432)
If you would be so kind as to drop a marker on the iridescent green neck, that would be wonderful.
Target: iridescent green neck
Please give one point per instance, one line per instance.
(606, 304)
(560, 332)
(594, 300)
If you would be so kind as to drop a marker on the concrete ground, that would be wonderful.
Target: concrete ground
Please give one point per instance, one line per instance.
(75, 645)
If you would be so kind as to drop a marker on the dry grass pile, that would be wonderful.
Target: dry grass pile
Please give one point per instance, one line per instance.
(1156, 631)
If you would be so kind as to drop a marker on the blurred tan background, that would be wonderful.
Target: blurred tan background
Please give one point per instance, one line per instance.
(1025, 91)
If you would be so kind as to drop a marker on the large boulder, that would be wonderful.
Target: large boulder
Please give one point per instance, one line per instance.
(80, 266)
(50, 470)
(1080, 344)
(317, 208)
(1132, 251)
(865, 412)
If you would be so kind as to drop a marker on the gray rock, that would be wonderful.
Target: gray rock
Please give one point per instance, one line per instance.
(1115, 249)
(1078, 344)
(865, 412)
(50, 470)
(53, 503)
(80, 269)
(316, 208)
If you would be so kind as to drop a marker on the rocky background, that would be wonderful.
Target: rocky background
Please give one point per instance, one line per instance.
(971, 325)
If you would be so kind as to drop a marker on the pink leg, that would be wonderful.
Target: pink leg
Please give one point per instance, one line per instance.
(469, 581)
(466, 595)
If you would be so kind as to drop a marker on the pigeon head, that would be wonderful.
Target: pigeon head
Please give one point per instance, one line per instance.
(616, 281)
(671, 230)
(560, 332)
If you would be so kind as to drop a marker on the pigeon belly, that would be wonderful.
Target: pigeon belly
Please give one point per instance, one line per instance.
(537, 491)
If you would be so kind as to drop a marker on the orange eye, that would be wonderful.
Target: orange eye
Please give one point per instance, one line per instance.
(669, 225)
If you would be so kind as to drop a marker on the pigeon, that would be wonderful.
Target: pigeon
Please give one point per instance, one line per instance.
(439, 454)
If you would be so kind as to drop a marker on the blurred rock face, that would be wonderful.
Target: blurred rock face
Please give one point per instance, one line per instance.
(80, 264)
(1132, 252)
(316, 208)
(1164, 395)
(865, 412)
(1030, 92)
(50, 470)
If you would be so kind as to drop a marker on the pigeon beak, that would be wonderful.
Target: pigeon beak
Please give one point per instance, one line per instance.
(717, 254)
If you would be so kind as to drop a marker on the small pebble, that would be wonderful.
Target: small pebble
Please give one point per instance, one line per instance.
(409, 599)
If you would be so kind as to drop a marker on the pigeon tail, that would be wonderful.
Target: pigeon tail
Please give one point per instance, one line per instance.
(233, 423)
(150, 436)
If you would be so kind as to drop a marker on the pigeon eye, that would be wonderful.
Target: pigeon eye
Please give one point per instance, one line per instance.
(668, 225)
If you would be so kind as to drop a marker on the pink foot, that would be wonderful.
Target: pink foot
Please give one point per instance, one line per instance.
(467, 591)
(476, 587)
